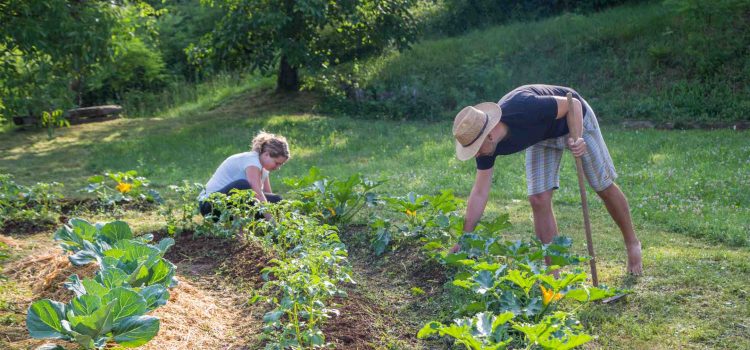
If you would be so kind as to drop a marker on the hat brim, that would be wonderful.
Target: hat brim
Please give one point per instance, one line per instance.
(494, 113)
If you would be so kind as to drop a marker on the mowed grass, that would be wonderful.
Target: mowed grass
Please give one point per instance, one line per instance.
(688, 192)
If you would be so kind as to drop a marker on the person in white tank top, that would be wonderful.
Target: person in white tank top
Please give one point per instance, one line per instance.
(249, 170)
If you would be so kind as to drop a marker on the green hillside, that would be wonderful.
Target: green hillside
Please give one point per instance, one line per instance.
(680, 63)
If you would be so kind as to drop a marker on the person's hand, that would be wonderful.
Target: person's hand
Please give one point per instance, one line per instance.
(269, 218)
(578, 147)
(456, 247)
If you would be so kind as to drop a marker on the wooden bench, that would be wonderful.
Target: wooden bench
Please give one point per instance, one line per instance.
(77, 115)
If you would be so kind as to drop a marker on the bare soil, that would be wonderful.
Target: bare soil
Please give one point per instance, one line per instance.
(381, 311)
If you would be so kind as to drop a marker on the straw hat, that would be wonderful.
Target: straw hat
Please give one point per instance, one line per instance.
(471, 126)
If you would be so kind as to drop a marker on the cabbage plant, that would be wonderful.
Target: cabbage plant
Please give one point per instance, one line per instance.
(92, 320)
(111, 307)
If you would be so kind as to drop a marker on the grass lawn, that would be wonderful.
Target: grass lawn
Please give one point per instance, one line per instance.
(688, 191)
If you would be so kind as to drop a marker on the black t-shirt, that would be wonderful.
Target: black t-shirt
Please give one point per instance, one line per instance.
(530, 112)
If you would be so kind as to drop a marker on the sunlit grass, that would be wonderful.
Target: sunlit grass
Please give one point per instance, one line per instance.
(687, 190)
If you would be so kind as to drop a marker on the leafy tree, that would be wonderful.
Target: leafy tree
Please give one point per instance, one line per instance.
(184, 22)
(50, 48)
(289, 34)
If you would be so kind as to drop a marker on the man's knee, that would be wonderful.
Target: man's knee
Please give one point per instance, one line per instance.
(608, 191)
(541, 200)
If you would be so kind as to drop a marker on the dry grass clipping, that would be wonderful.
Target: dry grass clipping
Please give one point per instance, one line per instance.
(46, 272)
(203, 316)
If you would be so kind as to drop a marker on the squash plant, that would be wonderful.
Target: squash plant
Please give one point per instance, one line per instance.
(511, 279)
(115, 188)
(334, 201)
(487, 331)
(36, 203)
(430, 219)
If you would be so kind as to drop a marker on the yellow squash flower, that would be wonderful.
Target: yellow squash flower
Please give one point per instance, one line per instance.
(411, 212)
(548, 295)
(124, 187)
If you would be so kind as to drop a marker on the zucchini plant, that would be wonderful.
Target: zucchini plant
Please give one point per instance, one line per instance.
(36, 203)
(511, 280)
(334, 201)
(115, 188)
(431, 219)
(487, 331)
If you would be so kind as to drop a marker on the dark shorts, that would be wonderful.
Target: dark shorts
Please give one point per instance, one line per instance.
(207, 208)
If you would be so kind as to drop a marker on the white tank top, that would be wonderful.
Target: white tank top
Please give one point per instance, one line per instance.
(233, 169)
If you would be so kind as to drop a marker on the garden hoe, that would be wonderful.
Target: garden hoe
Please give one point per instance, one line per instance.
(585, 206)
(584, 202)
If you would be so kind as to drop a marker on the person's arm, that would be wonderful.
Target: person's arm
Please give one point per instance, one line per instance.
(267, 185)
(476, 203)
(575, 123)
(477, 199)
(254, 176)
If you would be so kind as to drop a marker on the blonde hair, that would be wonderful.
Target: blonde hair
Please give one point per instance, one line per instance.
(276, 146)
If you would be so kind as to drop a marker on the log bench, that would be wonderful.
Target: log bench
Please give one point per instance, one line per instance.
(77, 115)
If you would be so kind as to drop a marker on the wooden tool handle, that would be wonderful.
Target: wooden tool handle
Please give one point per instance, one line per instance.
(584, 202)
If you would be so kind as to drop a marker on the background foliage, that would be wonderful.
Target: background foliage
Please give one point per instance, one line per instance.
(677, 63)
(680, 63)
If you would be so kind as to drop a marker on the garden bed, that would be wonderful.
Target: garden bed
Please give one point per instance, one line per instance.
(206, 310)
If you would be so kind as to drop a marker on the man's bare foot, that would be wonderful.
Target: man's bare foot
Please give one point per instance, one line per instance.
(635, 264)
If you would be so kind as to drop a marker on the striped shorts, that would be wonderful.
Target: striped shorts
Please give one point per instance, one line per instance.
(543, 160)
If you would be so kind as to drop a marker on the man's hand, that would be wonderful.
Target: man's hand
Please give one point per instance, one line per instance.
(578, 147)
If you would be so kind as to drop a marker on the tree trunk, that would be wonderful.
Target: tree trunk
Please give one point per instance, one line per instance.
(288, 79)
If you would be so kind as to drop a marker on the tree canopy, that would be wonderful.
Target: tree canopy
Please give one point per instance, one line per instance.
(49, 48)
(311, 34)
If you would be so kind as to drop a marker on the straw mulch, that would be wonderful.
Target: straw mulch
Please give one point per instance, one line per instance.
(45, 273)
(205, 315)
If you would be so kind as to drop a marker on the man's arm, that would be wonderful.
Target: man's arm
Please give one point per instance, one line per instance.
(575, 123)
(478, 199)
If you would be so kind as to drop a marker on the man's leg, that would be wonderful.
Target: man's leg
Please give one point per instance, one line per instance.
(601, 174)
(545, 225)
(618, 208)
(542, 178)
